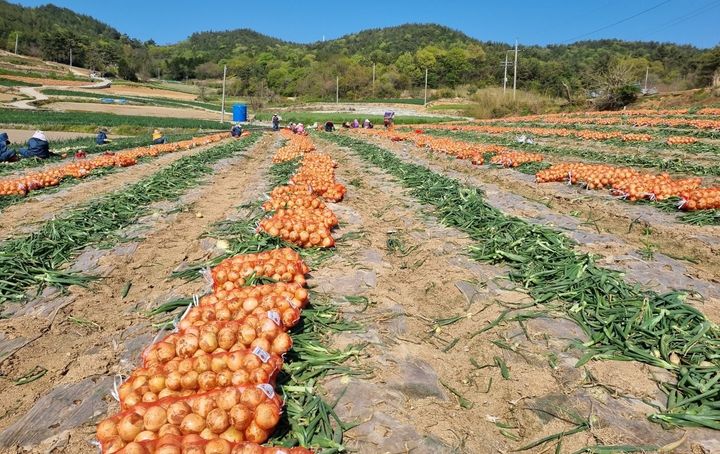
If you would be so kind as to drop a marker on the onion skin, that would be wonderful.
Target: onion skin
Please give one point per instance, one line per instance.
(106, 430)
(192, 424)
(177, 411)
(155, 417)
(267, 416)
(130, 426)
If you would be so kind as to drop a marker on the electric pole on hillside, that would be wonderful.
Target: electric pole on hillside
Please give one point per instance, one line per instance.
(373, 83)
(515, 70)
(426, 74)
(17, 36)
(222, 108)
(337, 89)
(71, 57)
(647, 73)
(506, 64)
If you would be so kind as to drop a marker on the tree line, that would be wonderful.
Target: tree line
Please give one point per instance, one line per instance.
(258, 64)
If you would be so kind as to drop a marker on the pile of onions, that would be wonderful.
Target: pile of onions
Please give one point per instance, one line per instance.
(303, 232)
(681, 140)
(292, 292)
(624, 181)
(700, 199)
(82, 167)
(294, 200)
(218, 337)
(282, 265)
(637, 138)
(515, 158)
(235, 414)
(239, 309)
(195, 444)
(472, 152)
(598, 135)
(317, 173)
(296, 146)
(188, 376)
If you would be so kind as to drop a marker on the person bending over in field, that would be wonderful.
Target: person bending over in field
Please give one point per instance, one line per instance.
(329, 126)
(236, 130)
(37, 147)
(367, 124)
(158, 137)
(6, 154)
(355, 123)
(102, 137)
(389, 119)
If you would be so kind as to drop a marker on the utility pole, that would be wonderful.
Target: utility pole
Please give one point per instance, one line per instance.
(222, 114)
(337, 89)
(647, 73)
(515, 70)
(373, 83)
(71, 57)
(17, 36)
(426, 74)
(506, 64)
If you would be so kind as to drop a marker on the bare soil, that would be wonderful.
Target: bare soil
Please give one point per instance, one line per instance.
(130, 90)
(148, 111)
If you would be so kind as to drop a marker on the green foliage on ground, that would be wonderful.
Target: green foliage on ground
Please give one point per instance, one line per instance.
(90, 121)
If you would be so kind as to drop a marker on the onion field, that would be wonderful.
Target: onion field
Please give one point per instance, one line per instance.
(534, 284)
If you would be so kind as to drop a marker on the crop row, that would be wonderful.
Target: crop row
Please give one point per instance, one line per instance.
(58, 121)
(623, 322)
(684, 143)
(635, 159)
(624, 182)
(210, 385)
(37, 259)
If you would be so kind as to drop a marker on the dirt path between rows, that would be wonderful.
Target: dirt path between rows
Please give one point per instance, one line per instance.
(97, 333)
(419, 358)
(26, 216)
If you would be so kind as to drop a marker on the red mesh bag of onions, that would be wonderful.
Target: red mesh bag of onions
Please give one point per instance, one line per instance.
(194, 444)
(283, 265)
(234, 414)
(219, 337)
(280, 307)
(188, 376)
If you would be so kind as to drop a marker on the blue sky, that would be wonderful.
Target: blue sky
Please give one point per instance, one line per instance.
(531, 22)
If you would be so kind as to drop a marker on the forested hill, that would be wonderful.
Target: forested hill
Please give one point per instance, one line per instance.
(401, 54)
(50, 32)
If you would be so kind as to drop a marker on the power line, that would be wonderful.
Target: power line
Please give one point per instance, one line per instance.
(681, 19)
(618, 22)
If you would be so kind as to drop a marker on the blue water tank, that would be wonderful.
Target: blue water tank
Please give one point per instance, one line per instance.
(239, 112)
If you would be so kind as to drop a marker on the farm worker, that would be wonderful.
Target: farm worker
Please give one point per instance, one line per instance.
(313, 126)
(355, 123)
(158, 137)
(388, 118)
(275, 122)
(329, 126)
(102, 137)
(236, 130)
(366, 124)
(37, 147)
(345, 124)
(299, 129)
(6, 154)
